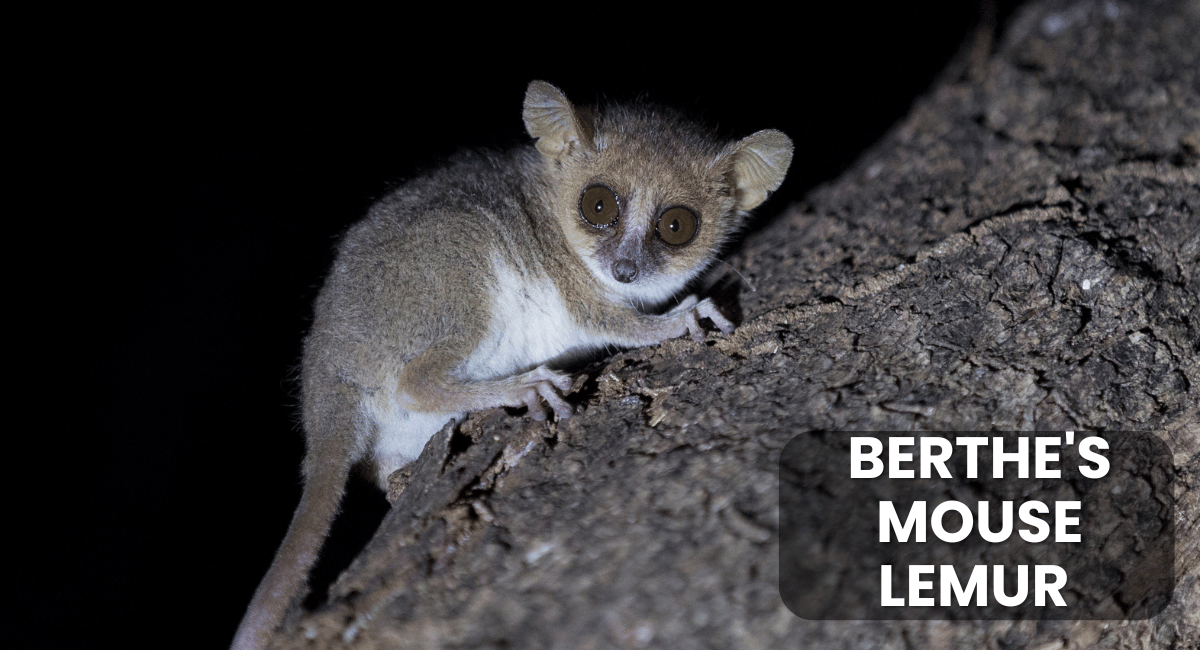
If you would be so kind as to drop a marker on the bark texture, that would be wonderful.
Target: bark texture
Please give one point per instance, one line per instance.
(1022, 252)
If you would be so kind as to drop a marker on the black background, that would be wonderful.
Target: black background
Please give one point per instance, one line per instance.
(192, 174)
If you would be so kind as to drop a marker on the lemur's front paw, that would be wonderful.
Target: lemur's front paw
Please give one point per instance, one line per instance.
(708, 309)
(549, 385)
(691, 310)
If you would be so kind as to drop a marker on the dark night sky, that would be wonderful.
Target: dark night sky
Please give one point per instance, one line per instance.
(220, 164)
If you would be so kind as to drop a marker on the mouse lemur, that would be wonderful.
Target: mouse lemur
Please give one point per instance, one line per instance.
(463, 288)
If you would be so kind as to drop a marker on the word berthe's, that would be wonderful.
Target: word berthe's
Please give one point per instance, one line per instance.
(934, 452)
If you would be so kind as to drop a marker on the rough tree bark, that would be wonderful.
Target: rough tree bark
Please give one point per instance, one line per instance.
(1022, 252)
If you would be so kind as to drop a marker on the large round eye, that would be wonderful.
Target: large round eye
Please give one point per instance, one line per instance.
(677, 226)
(599, 206)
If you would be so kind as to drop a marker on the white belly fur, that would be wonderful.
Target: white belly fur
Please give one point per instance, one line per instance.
(400, 434)
(529, 326)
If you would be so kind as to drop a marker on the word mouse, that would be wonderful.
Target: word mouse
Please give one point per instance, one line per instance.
(468, 288)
